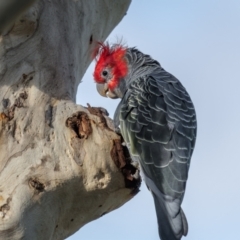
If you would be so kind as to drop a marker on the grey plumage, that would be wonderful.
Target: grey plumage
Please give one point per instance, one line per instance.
(158, 123)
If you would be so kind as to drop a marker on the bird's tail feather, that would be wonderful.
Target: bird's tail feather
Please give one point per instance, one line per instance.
(172, 223)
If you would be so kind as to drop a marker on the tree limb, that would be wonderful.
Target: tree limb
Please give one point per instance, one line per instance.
(61, 164)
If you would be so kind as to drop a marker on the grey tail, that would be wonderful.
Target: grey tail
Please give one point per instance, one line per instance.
(172, 223)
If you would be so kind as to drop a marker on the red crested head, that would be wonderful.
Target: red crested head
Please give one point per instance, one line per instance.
(111, 65)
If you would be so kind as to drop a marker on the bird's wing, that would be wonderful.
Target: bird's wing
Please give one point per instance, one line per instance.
(158, 123)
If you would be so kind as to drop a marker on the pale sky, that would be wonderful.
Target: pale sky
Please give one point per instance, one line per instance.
(199, 43)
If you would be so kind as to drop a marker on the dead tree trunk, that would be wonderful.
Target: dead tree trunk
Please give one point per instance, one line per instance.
(61, 165)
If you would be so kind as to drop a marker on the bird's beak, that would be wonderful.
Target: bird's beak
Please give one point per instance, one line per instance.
(105, 92)
(102, 89)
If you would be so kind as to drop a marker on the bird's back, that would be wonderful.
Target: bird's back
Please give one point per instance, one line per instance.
(158, 123)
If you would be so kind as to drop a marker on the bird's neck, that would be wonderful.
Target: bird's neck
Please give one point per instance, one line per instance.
(139, 64)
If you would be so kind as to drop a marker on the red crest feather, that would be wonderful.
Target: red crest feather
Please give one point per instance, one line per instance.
(113, 58)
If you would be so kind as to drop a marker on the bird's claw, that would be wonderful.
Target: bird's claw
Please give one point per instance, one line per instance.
(104, 111)
(117, 130)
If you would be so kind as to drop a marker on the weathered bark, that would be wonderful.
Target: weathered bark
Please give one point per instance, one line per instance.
(61, 165)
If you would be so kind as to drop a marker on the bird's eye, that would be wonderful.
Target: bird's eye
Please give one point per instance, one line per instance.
(104, 73)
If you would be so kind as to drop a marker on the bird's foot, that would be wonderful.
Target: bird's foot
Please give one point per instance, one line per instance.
(117, 130)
